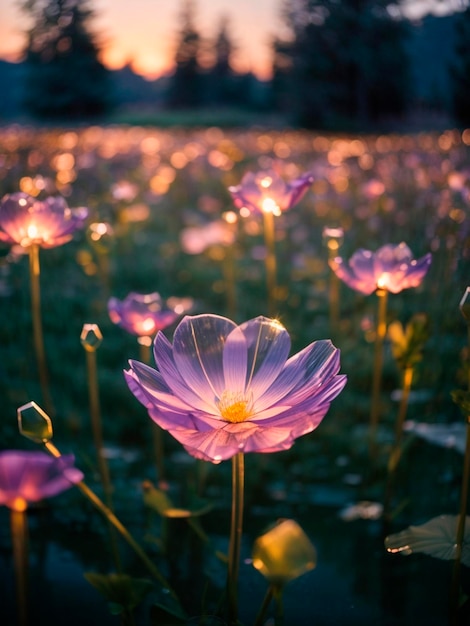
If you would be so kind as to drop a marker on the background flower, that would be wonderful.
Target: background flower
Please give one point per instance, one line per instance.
(48, 223)
(266, 191)
(391, 267)
(145, 314)
(32, 476)
(221, 388)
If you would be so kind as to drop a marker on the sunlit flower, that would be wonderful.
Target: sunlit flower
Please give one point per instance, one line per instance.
(267, 192)
(32, 476)
(221, 388)
(145, 314)
(48, 223)
(391, 267)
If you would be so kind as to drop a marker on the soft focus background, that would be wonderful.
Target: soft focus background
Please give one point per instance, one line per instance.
(146, 112)
(350, 65)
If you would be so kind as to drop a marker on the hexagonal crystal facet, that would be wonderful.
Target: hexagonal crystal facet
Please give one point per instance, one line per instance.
(34, 423)
(283, 553)
(465, 304)
(91, 337)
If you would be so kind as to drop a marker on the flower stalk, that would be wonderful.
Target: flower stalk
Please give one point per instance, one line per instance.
(270, 261)
(381, 331)
(455, 583)
(91, 340)
(238, 476)
(111, 517)
(145, 344)
(395, 453)
(34, 272)
(19, 533)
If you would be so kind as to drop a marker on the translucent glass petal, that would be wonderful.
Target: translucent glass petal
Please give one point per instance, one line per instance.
(268, 348)
(198, 347)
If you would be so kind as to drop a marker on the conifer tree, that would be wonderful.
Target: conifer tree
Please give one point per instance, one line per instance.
(186, 83)
(460, 71)
(65, 78)
(342, 64)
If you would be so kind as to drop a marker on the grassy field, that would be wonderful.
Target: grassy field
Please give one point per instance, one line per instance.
(149, 185)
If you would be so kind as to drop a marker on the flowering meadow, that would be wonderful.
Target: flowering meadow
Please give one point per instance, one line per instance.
(235, 333)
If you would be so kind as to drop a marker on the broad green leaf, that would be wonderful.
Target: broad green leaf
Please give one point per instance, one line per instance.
(159, 501)
(166, 611)
(436, 538)
(122, 592)
(462, 400)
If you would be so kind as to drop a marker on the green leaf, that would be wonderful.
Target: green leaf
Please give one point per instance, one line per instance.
(158, 500)
(167, 612)
(436, 537)
(408, 344)
(462, 400)
(122, 592)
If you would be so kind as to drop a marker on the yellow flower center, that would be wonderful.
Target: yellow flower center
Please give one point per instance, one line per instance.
(235, 407)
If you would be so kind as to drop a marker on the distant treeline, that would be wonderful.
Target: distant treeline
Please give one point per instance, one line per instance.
(342, 65)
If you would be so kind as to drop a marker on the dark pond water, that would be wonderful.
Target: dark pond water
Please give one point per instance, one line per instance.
(355, 583)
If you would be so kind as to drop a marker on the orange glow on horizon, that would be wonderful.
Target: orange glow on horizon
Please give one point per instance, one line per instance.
(148, 66)
(145, 38)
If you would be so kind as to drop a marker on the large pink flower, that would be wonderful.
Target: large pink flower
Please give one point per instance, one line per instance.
(221, 389)
(144, 314)
(48, 223)
(266, 191)
(32, 476)
(391, 267)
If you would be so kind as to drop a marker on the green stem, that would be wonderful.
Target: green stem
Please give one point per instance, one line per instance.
(395, 452)
(279, 617)
(334, 301)
(145, 344)
(238, 475)
(264, 606)
(270, 261)
(19, 531)
(34, 271)
(109, 515)
(455, 584)
(381, 331)
(403, 408)
(97, 429)
(229, 280)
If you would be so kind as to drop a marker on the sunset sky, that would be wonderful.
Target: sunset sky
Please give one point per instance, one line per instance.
(144, 31)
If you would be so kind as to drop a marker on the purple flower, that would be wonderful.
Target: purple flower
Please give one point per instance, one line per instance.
(48, 223)
(391, 268)
(267, 192)
(221, 389)
(145, 314)
(32, 476)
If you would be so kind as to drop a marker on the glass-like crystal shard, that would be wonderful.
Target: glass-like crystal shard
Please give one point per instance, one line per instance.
(465, 304)
(333, 237)
(284, 553)
(34, 423)
(91, 337)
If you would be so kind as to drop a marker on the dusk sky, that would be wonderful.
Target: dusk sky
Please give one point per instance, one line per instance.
(144, 31)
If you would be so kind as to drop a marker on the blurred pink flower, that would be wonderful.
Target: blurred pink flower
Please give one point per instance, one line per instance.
(221, 388)
(145, 314)
(48, 223)
(391, 267)
(32, 476)
(195, 239)
(266, 191)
